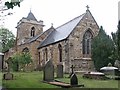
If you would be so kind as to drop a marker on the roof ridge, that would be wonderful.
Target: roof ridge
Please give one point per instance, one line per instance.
(70, 21)
(59, 33)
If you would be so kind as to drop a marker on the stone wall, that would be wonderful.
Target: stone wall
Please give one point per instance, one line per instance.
(24, 31)
(77, 58)
(32, 49)
(53, 52)
(72, 47)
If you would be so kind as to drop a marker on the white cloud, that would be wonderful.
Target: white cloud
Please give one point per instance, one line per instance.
(60, 11)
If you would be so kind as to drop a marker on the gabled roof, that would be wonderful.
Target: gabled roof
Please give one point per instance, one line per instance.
(31, 16)
(39, 35)
(62, 32)
(34, 38)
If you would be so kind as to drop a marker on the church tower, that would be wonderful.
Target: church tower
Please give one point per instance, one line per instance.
(28, 28)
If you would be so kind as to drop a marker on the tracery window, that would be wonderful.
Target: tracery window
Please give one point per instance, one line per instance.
(86, 44)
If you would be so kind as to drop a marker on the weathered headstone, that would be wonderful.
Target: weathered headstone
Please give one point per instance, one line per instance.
(74, 80)
(48, 71)
(59, 71)
(8, 76)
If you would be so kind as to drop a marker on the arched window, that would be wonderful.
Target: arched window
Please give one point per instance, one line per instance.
(86, 44)
(39, 58)
(46, 54)
(25, 50)
(32, 31)
(60, 52)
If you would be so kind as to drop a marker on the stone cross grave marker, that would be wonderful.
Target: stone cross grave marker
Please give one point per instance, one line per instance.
(48, 71)
(59, 71)
(72, 70)
(74, 80)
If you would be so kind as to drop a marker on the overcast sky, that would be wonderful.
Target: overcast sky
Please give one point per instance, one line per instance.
(59, 12)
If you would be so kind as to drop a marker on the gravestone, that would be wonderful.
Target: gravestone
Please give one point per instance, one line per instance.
(48, 71)
(59, 71)
(8, 76)
(74, 80)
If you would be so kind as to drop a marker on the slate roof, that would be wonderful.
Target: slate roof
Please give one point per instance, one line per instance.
(39, 35)
(62, 32)
(34, 38)
(31, 16)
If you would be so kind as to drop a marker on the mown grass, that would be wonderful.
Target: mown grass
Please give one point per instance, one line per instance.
(34, 80)
(92, 83)
(27, 80)
(0, 78)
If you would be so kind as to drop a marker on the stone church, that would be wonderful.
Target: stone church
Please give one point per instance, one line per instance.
(68, 44)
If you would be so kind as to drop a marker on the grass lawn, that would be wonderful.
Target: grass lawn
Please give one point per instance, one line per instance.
(0, 78)
(34, 80)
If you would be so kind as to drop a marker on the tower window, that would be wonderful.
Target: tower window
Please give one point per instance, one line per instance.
(32, 31)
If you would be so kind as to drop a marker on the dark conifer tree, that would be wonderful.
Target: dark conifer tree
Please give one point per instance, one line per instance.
(102, 47)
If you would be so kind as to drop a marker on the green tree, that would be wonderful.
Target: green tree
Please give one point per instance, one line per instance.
(7, 39)
(116, 40)
(102, 47)
(20, 60)
(16, 61)
(13, 3)
(115, 51)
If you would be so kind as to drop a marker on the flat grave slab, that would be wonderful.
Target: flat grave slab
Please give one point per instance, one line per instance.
(62, 84)
(94, 75)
